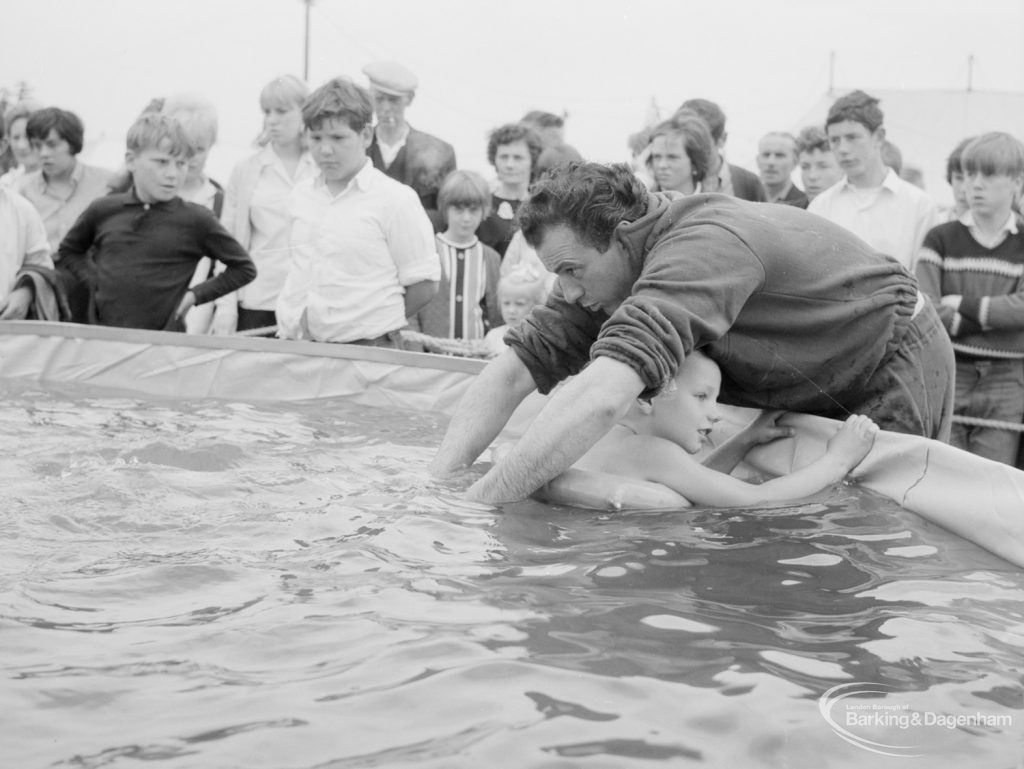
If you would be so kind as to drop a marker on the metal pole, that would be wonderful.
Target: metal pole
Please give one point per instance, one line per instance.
(970, 72)
(305, 66)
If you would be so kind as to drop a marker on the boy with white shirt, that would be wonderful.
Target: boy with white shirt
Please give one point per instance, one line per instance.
(872, 201)
(362, 248)
(973, 271)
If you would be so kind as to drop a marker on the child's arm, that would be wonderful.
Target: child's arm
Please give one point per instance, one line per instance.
(660, 461)
(73, 249)
(218, 244)
(764, 429)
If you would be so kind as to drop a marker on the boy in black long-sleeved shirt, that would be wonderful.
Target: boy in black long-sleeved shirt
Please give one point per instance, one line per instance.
(145, 243)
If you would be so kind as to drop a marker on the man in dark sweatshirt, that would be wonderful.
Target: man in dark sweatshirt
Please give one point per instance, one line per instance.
(798, 313)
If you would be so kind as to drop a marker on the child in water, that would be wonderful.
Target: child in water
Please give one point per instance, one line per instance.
(655, 442)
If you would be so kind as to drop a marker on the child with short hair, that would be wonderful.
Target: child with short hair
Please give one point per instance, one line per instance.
(147, 242)
(519, 291)
(362, 247)
(466, 303)
(655, 442)
(972, 269)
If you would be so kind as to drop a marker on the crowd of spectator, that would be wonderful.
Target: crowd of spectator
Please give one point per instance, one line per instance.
(349, 225)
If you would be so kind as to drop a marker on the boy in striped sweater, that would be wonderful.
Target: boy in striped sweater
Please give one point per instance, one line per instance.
(973, 271)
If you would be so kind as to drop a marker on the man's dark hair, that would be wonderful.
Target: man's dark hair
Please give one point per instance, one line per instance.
(338, 99)
(709, 112)
(590, 199)
(953, 165)
(511, 133)
(858, 107)
(67, 125)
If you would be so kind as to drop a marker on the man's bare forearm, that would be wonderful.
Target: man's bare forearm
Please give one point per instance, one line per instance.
(571, 423)
(483, 413)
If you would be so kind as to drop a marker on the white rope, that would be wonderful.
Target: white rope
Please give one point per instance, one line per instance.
(995, 424)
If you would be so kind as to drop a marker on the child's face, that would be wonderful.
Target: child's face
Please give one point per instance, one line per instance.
(283, 124)
(463, 222)
(686, 415)
(516, 302)
(818, 171)
(54, 155)
(339, 151)
(157, 173)
(991, 195)
(197, 164)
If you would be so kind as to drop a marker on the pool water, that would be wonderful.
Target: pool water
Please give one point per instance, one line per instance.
(213, 584)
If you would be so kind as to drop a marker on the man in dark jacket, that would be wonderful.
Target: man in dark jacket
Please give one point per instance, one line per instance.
(412, 157)
(798, 313)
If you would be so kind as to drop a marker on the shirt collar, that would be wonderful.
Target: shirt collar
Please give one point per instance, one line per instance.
(131, 198)
(891, 181)
(1009, 226)
(363, 180)
(453, 244)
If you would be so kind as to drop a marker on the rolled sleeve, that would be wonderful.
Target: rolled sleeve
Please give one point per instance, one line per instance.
(410, 239)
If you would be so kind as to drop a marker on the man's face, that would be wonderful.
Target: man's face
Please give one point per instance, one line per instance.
(157, 173)
(818, 171)
(390, 109)
(776, 158)
(587, 277)
(54, 155)
(339, 151)
(858, 150)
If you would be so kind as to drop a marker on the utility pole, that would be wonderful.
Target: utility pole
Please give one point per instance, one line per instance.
(970, 72)
(305, 50)
(831, 73)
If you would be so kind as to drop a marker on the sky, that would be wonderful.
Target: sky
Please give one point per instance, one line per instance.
(482, 63)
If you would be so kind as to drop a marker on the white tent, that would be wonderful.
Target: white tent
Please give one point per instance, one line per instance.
(926, 125)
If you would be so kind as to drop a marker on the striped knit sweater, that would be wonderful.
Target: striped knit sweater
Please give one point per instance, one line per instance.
(990, 319)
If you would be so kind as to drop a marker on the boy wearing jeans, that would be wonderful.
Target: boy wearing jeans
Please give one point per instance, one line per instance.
(146, 242)
(973, 271)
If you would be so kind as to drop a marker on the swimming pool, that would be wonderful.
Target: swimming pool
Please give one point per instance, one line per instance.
(205, 583)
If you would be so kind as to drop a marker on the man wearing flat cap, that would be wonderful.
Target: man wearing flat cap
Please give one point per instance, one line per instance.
(412, 157)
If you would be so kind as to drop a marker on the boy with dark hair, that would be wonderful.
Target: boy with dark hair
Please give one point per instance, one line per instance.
(63, 186)
(362, 247)
(872, 201)
(973, 271)
(146, 242)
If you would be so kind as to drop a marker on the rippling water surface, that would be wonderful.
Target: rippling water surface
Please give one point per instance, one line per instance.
(209, 584)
